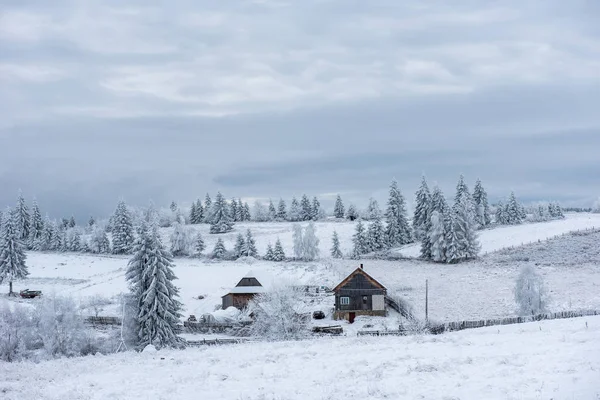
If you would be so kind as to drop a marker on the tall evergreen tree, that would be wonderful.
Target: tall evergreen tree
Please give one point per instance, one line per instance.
(233, 207)
(461, 189)
(373, 210)
(91, 222)
(482, 208)
(513, 213)
(294, 214)
(306, 212)
(12, 253)
(122, 230)
(238, 248)
(207, 208)
(220, 220)
(310, 243)
(200, 211)
(352, 213)
(48, 236)
(437, 204)
(278, 253)
(359, 240)
(199, 245)
(272, 213)
(316, 209)
(281, 210)
(335, 246)
(376, 238)
(437, 238)
(219, 251)
(464, 227)
(72, 222)
(249, 249)
(269, 254)
(36, 231)
(421, 218)
(99, 242)
(246, 216)
(500, 213)
(193, 214)
(398, 229)
(240, 211)
(74, 240)
(150, 276)
(338, 209)
(22, 218)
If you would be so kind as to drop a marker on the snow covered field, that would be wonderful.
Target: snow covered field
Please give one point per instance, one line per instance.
(557, 359)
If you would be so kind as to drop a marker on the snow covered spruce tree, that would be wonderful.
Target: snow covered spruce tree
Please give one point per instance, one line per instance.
(435, 242)
(463, 243)
(513, 212)
(373, 211)
(199, 212)
(219, 252)
(306, 212)
(421, 218)
(181, 240)
(99, 242)
(338, 210)
(530, 294)
(249, 247)
(335, 246)
(36, 231)
(272, 213)
(207, 208)
(122, 230)
(317, 211)
(219, 219)
(437, 237)
(150, 277)
(193, 217)
(359, 240)
(281, 211)
(482, 208)
(199, 245)
(278, 253)
(269, 253)
(398, 229)
(238, 248)
(246, 212)
(294, 214)
(233, 209)
(352, 213)
(12, 253)
(376, 238)
(310, 243)
(22, 218)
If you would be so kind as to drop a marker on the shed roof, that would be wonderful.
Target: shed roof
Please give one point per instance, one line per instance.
(358, 270)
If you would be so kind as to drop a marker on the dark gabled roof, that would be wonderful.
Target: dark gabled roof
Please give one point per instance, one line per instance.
(358, 270)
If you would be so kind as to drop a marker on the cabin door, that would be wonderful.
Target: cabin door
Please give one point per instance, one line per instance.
(351, 317)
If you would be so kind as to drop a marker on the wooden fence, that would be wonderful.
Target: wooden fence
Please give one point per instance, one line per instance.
(103, 320)
(214, 342)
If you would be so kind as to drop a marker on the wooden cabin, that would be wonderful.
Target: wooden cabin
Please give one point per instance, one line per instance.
(243, 292)
(359, 294)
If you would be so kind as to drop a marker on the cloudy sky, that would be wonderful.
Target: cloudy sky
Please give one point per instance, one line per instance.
(107, 99)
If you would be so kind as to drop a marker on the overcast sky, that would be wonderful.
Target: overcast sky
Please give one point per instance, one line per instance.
(107, 99)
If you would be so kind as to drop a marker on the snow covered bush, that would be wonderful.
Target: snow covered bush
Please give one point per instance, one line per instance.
(13, 331)
(530, 294)
(182, 240)
(279, 314)
(306, 242)
(96, 303)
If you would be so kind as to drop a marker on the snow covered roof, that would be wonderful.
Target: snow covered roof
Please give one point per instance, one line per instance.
(247, 290)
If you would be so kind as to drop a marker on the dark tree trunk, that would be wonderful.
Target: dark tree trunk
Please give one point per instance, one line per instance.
(10, 292)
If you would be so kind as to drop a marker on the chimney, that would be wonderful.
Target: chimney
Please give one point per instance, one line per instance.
(361, 266)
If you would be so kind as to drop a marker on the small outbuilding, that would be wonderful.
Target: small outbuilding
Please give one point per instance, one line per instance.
(243, 292)
(359, 294)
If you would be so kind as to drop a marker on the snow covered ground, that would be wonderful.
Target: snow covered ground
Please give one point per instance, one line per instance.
(557, 359)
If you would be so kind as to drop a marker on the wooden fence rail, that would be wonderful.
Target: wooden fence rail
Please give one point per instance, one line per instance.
(103, 320)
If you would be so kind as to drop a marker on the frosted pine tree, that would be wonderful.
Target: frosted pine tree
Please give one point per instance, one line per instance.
(122, 230)
(482, 208)
(150, 276)
(530, 294)
(219, 251)
(269, 254)
(373, 210)
(272, 213)
(461, 189)
(199, 212)
(181, 240)
(453, 254)
(173, 206)
(338, 209)
(48, 237)
(398, 230)
(36, 232)
(514, 214)
(311, 243)
(74, 240)
(238, 248)
(306, 212)
(233, 208)
(278, 253)
(359, 240)
(500, 214)
(199, 245)
(91, 222)
(437, 237)
(99, 242)
(316, 209)
(22, 218)
(220, 220)
(281, 210)
(465, 228)
(295, 212)
(249, 249)
(421, 218)
(335, 246)
(207, 208)
(240, 211)
(193, 214)
(376, 236)
(438, 204)
(72, 223)
(246, 214)
(352, 213)
(64, 240)
(298, 241)
(57, 242)
(12, 253)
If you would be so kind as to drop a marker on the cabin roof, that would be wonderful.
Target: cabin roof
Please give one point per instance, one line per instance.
(358, 270)
(246, 290)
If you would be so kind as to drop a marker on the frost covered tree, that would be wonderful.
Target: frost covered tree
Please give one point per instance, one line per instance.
(241, 211)
(437, 203)
(352, 213)
(373, 211)
(465, 244)
(173, 206)
(317, 212)
(376, 237)
(99, 242)
(233, 208)
(281, 210)
(150, 277)
(306, 212)
(219, 251)
(200, 211)
(272, 213)
(260, 212)
(193, 214)
(555, 210)
(72, 223)
(437, 237)
(499, 215)
(398, 230)
(49, 234)
(36, 230)
(298, 243)
(338, 209)
(238, 248)
(249, 248)
(359, 240)
(199, 245)
(530, 293)
(278, 253)
(246, 212)
(335, 246)
(12, 253)
(207, 208)
(513, 213)
(421, 218)
(310, 243)
(482, 208)
(91, 222)
(21, 218)
(461, 189)
(181, 240)
(269, 253)
(295, 213)
(220, 220)
(122, 230)
(74, 240)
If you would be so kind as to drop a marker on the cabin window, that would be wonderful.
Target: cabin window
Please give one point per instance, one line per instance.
(345, 301)
(365, 299)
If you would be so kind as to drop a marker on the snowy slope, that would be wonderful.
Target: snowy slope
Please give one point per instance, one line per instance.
(557, 359)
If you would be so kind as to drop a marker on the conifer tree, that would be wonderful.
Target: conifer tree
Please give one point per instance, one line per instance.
(500, 213)
(461, 189)
(297, 237)
(74, 240)
(122, 230)
(99, 242)
(64, 241)
(150, 276)
(36, 231)
(437, 204)
(200, 211)
(398, 230)
(207, 208)
(295, 213)
(437, 237)
(359, 240)
(316, 209)
(238, 248)
(310, 243)
(57, 238)
(22, 218)
(173, 206)
(281, 210)
(376, 238)
(72, 222)
(48, 235)
(233, 208)
(220, 220)
(464, 228)
(91, 222)
(513, 212)
(352, 213)
(246, 216)
(482, 208)
(453, 254)
(12, 253)
(249, 249)
(335, 246)
(219, 251)
(373, 210)
(272, 213)
(240, 211)
(269, 254)
(338, 209)
(193, 214)
(421, 218)
(278, 253)
(306, 212)
(199, 245)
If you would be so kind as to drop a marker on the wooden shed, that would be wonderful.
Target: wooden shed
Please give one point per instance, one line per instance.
(243, 292)
(359, 294)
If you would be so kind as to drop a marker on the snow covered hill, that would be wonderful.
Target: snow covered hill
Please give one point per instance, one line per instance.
(557, 359)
